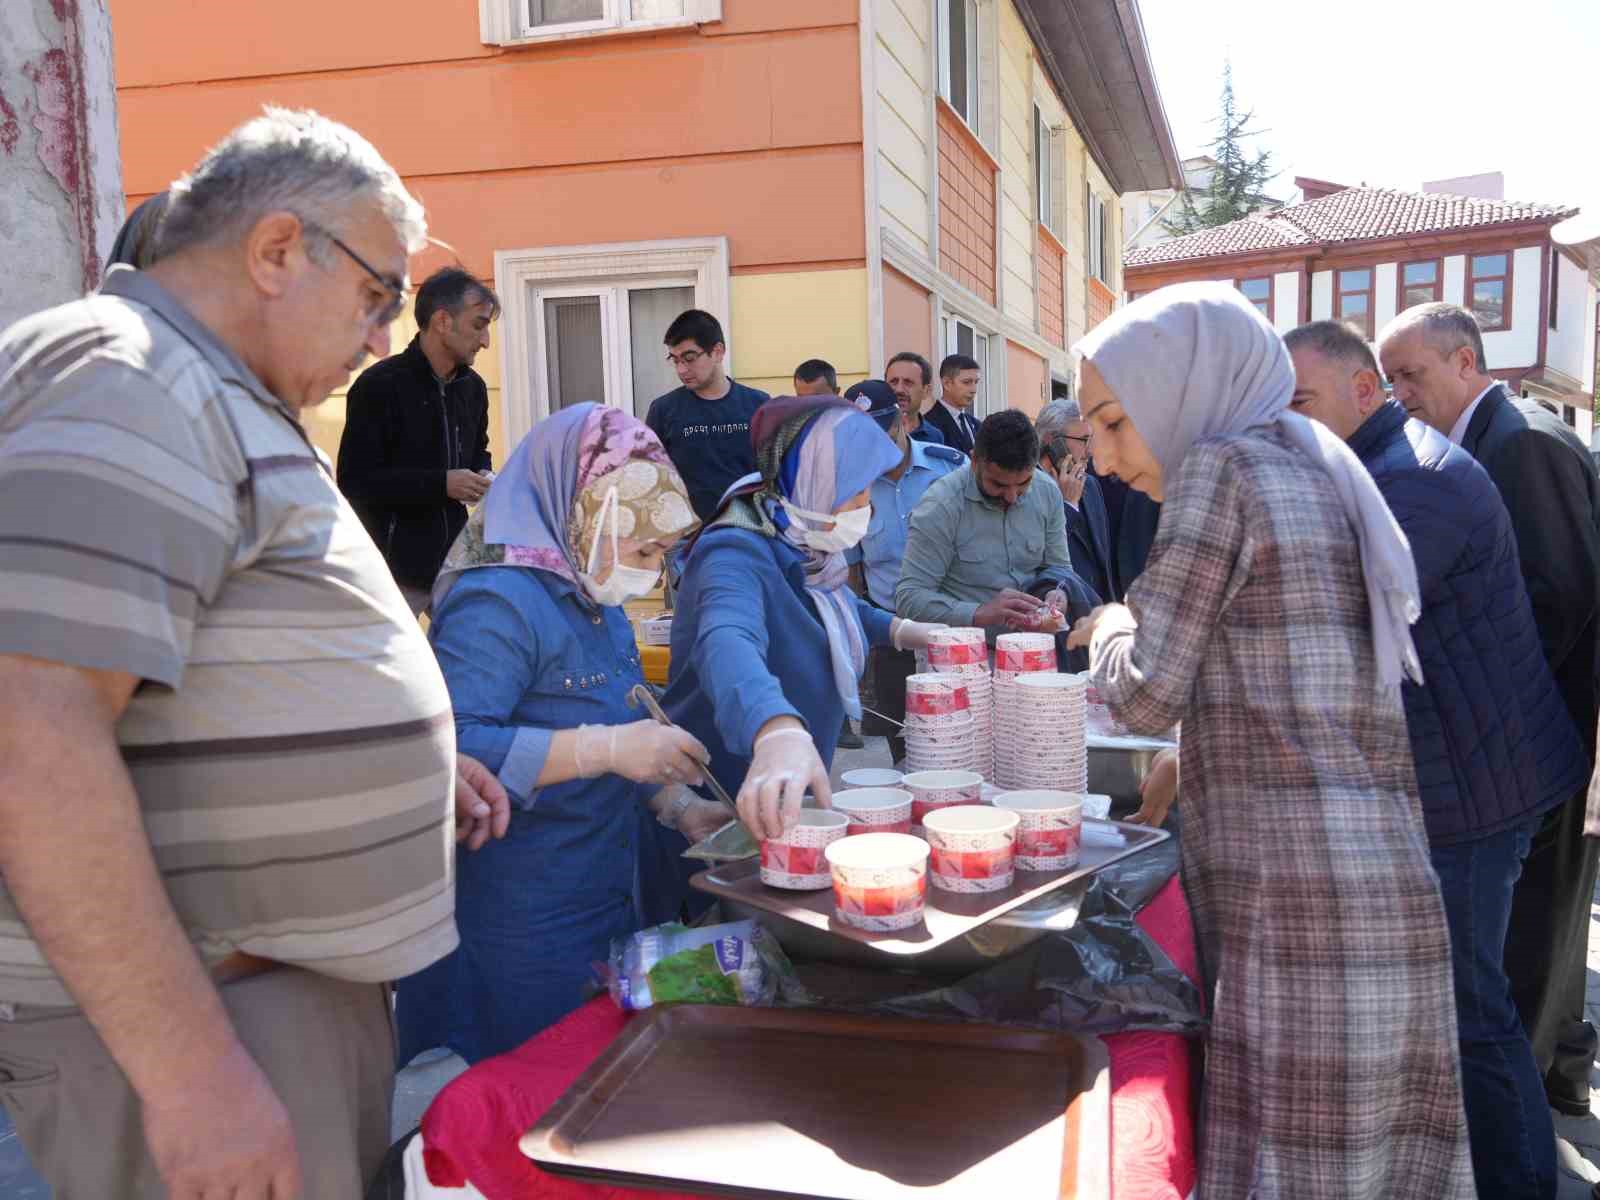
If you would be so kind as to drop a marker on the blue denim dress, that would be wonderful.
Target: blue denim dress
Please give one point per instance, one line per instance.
(526, 655)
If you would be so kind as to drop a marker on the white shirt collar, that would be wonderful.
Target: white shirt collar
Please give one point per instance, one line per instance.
(1459, 429)
(955, 412)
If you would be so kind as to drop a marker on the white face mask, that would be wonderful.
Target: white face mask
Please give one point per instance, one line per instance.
(624, 583)
(848, 527)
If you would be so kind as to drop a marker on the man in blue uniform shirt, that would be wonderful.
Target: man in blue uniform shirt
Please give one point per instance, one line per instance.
(875, 562)
(705, 424)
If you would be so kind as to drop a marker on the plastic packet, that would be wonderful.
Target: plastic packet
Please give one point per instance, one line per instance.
(736, 963)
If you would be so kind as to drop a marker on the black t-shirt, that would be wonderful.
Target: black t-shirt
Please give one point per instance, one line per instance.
(707, 440)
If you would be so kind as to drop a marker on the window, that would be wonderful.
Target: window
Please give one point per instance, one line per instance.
(602, 342)
(1099, 256)
(1555, 287)
(1352, 304)
(1420, 283)
(511, 21)
(1259, 292)
(1489, 290)
(1047, 162)
(586, 322)
(962, 338)
(958, 57)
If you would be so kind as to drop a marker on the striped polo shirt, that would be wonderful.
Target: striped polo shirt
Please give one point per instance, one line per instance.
(163, 515)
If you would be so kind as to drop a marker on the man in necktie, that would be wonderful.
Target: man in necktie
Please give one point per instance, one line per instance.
(959, 376)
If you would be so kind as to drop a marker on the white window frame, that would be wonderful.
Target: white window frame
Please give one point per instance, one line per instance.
(1099, 245)
(1048, 171)
(974, 51)
(524, 278)
(505, 22)
(953, 322)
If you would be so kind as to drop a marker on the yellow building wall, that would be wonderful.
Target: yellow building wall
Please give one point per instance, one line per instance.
(782, 318)
(1016, 167)
(905, 31)
(325, 422)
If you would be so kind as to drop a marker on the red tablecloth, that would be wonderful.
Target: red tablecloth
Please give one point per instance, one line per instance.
(472, 1127)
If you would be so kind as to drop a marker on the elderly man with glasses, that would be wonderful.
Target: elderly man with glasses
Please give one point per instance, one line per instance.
(415, 450)
(1064, 455)
(225, 802)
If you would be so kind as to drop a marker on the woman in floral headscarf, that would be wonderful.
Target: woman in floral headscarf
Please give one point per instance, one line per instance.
(769, 642)
(540, 658)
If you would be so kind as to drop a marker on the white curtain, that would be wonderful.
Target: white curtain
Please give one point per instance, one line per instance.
(650, 311)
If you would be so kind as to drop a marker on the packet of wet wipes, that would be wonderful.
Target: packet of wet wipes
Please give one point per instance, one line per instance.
(736, 963)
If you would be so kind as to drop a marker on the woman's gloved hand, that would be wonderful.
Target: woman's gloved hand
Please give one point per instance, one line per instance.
(784, 765)
(645, 752)
(912, 635)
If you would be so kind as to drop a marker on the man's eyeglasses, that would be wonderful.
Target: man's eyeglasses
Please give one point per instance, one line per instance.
(378, 313)
(687, 359)
(1067, 437)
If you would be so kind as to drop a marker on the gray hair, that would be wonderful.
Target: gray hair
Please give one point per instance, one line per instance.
(286, 160)
(1054, 419)
(1335, 341)
(1445, 327)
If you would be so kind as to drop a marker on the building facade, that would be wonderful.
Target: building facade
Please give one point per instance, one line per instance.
(839, 179)
(1362, 255)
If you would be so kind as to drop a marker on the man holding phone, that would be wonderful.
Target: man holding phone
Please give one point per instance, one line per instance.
(1064, 456)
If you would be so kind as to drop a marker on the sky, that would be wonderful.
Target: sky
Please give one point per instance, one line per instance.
(1394, 92)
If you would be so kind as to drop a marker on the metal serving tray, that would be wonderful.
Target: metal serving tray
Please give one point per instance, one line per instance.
(758, 1102)
(949, 916)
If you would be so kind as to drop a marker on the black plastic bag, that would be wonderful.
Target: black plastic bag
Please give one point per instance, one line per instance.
(1104, 975)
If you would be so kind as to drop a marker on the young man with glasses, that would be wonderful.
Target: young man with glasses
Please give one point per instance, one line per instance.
(705, 424)
(415, 450)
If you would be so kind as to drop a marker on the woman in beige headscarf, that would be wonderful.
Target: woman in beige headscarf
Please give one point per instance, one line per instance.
(540, 659)
(1273, 619)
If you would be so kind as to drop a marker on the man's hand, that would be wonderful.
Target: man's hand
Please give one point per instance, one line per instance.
(1010, 608)
(466, 486)
(225, 1133)
(1070, 477)
(483, 810)
(1084, 628)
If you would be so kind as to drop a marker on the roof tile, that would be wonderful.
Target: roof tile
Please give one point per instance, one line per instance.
(1353, 215)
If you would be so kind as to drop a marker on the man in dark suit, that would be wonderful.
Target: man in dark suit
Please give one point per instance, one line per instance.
(1064, 455)
(959, 376)
(1433, 356)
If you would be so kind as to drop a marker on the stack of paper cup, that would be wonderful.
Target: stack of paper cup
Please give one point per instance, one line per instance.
(939, 728)
(1016, 655)
(965, 652)
(1046, 727)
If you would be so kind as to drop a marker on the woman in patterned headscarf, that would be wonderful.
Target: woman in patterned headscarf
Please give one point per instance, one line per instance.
(769, 642)
(540, 658)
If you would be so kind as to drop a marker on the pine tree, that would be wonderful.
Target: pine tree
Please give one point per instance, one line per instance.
(1239, 182)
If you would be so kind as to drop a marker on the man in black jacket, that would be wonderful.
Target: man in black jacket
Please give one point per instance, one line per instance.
(415, 451)
(959, 376)
(1433, 356)
(1064, 455)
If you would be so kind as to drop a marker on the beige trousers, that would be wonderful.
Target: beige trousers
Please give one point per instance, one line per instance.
(326, 1046)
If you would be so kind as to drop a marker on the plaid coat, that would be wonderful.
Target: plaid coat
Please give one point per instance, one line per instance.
(1331, 1064)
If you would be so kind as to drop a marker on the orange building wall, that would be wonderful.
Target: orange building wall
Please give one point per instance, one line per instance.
(907, 317)
(966, 207)
(749, 128)
(1027, 377)
(1052, 299)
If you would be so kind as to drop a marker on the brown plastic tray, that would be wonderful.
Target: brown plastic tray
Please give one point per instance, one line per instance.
(789, 1103)
(948, 915)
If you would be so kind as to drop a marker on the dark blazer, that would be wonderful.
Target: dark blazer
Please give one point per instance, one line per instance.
(1133, 518)
(404, 431)
(1549, 486)
(939, 417)
(1489, 733)
(1089, 541)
